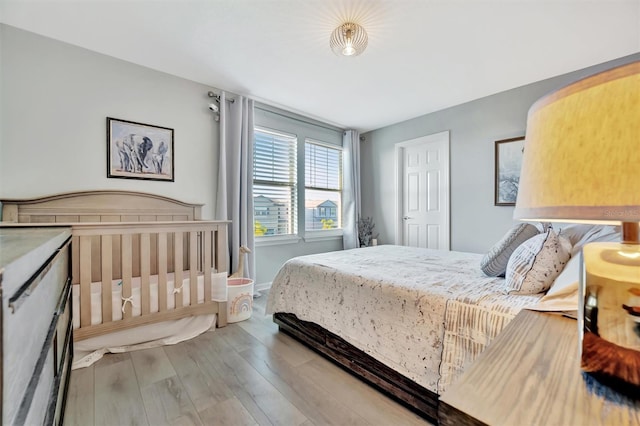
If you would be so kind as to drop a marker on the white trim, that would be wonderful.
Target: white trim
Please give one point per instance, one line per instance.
(323, 143)
(276, 132)
(399, 154)
(327, 234)
(277, 240)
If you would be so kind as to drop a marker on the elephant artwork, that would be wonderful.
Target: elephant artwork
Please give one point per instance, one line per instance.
(133, 151)
(140, 151)
(158, 157)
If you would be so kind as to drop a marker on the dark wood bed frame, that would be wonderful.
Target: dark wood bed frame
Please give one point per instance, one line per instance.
(406, 391)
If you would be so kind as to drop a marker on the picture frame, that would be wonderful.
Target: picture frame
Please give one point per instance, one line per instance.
(508, 162)
(139, 151)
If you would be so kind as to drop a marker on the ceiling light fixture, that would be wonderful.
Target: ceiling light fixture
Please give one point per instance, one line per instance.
(349, 39)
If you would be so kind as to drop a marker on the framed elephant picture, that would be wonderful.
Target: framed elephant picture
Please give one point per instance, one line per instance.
(139, 151)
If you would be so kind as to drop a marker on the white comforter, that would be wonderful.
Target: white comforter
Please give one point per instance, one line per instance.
(424, 313)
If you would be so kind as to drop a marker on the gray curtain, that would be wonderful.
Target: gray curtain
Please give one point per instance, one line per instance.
(350, 188)
(235, 179)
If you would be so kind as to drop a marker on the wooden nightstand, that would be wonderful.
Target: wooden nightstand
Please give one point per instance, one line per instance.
(530, 375)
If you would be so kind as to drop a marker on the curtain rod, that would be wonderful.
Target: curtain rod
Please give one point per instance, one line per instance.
(336, 129)
(217, 97)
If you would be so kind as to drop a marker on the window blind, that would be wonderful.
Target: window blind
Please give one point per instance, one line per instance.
(323, 166)
(274, 183)
(323, 186)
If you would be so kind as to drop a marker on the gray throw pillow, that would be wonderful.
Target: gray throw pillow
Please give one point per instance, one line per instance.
(494, 263)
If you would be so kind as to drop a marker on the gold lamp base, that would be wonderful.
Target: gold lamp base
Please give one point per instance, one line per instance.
(609, 311)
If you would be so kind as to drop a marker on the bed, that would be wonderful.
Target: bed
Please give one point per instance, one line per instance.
(145, 268)
(410, 320)
(405, 319)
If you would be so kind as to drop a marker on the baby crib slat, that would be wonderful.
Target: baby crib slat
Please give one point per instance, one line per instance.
(85, 281)
(206, 264)
(222, 249)
(95, 259)
(154, 242)
(154, 253)
(177, 259)
(185, 252)
(116, 245)
(170, 244)
(135, 245)
(95, 242)
(135, 255)
(126, 276)
(193, 267)
(162, 271)
(145, 272)
(107, 277)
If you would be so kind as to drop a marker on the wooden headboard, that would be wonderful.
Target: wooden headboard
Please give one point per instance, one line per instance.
(99, 206)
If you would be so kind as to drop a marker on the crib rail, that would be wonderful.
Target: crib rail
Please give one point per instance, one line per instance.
(105, 251)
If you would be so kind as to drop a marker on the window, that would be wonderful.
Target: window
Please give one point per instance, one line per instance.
(323, 186)
(274, 183)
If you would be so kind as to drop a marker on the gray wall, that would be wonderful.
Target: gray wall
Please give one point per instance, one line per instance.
(55, 100)
(54, 104)
(476, 223)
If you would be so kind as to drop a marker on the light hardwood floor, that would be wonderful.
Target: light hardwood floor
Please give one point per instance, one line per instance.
(244, 374)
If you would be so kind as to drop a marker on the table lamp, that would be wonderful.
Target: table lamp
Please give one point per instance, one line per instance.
(581, 163)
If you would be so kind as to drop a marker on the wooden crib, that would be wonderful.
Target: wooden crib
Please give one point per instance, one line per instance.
(132, 242)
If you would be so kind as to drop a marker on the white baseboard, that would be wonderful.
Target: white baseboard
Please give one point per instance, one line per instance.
(262, 286)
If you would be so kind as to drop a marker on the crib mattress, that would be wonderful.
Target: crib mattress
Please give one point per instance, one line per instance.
(88, 351)
(118, 302)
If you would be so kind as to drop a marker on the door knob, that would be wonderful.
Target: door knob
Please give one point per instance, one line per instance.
(407, 218)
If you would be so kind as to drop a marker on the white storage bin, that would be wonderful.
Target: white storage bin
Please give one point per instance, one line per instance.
(239, 299)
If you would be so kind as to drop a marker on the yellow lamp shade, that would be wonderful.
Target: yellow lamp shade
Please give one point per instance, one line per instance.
(582, 152)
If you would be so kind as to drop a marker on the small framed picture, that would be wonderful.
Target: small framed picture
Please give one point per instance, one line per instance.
(508, 161)
(139, 151)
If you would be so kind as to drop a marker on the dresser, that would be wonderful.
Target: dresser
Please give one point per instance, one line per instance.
(36, 326)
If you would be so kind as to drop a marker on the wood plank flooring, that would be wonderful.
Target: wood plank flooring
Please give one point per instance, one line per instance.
(244, 374)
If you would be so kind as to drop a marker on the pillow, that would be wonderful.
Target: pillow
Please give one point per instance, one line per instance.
(563, 294)
(494, 263)
(567, 280)
(575, 232)
(598, 233)
(534, 265)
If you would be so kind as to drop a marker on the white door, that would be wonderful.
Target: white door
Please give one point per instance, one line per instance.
(423, 192)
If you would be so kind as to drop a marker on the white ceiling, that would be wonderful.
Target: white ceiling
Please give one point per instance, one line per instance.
(423, 56)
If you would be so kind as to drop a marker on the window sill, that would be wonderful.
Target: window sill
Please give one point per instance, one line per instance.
(277, 240)
(312, 236)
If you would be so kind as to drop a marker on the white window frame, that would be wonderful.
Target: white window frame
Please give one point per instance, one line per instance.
(265, 240)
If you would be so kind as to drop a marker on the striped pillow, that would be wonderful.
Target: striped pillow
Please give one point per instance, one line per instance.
(534, 265)
(494, 263)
